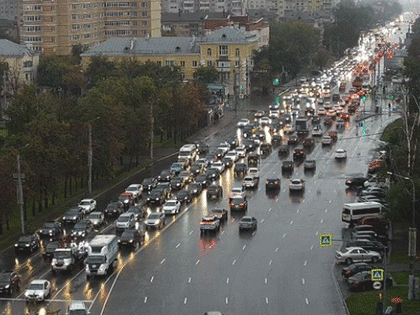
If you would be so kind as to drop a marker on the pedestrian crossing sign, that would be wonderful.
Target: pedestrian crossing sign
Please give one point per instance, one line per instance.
(325, 240)
(377, 274)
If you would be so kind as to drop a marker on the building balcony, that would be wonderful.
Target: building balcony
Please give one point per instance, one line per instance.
(223, 58)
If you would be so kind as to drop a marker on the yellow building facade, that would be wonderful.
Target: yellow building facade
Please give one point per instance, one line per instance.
(229, 50)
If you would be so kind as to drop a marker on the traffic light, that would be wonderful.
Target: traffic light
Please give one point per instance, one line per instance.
(277, 100)
(364, 98)
(276, 81)
(391, 97)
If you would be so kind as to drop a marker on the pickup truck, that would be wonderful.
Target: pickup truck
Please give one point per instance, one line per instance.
(67, 259)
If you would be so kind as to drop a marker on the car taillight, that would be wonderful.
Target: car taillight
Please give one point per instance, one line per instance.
(242, 204)
(348, 272)
(232, 204)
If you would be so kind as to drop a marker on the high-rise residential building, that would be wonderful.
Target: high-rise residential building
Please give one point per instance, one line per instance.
(282, 7)
(55, 26)
(236, 7)
(8, 9)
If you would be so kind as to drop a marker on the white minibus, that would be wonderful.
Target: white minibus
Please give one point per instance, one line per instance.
(352, 212)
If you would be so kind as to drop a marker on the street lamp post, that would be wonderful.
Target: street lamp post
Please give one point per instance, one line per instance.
(90, 156)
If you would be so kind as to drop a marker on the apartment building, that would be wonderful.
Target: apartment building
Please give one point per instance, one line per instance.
(229, 49)
(55, 26)
(8, 9)
(228, 6)
(282, 7)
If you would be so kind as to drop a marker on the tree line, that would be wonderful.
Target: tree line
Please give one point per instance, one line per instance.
(120, 102)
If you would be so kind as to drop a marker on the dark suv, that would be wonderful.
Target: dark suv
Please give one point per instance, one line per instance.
(287, 166)
(214, 191)
(114, 209)
(27, 243)
(299, 154)
(156, 197)
(272, 184)
(238, 203)
(51, 229)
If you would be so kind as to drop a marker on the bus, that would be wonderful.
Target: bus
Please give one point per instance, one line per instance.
(353, 212)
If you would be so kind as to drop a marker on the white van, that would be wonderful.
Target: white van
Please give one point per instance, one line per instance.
(352, 212)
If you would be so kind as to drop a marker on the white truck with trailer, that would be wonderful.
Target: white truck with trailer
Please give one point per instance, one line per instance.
(102, 255)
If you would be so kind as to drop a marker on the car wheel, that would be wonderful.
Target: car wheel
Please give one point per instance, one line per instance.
(349, 261)
(375, 259)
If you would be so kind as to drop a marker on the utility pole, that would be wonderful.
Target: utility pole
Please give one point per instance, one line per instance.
(90, 156)
(20, 193)
(152, 133)
(4, 90)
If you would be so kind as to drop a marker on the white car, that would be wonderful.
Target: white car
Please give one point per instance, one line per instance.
(327, 140)
(241, 151)
(254, 172)
(250, 182)
(297, 184)
(218, 165)
(317, 131)
(172, 206)
(340, 154)
(237, 191)
(288, 128)
(225, 147)
(88, 205)
(321, 111)
(136, 190)
(265, 121)
(357, 254)
(38, 290)
(274, 114)
(328, 105)
(242, 123)
(233, 155)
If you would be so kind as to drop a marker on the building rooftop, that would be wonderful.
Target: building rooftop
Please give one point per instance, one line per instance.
(11, 49)
(189, 17)
(228, 35)
(146, 46)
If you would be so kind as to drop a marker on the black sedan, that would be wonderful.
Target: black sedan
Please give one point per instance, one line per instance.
(51, 229)
(9, 282)
(49, 250)
(81, 229)
(272, 184)
(165, 176)
(202, 179)
(138, 211)
(352, 269)
(214, 191)
(362, 281)
(149, 184)
(73, 216)
(184, 196)
(195, 188)
(114, 209)
(355, 180)
(220, 213)
(27, 243)
(131, 238)
(238, 203)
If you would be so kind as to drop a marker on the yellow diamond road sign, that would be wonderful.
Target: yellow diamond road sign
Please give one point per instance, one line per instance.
(377, 274)
(325, 240)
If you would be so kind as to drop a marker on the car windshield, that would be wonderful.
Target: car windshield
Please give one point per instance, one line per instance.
(97, 259)
(52, 245)
(132, 189)
(237, 200)
(4, 277)
(147, 181)
(171, 203)
(194, 186)
(201, 177)
(36, 286)
(246, 220)
(124, 218)
(95, 216)
(72, 212)
(296, 181)
(25, 239)
(128, 234)
(77, 312)
(154, 216)
(49, 225)
(62, 254)
(85, 203)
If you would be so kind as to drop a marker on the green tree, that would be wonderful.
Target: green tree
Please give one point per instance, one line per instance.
(53, 69)
(321, 58)
(206, 74)
(99, 69)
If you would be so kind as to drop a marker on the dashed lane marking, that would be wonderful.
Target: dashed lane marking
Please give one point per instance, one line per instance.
(234, 262)
(178, 245)
(162, 261)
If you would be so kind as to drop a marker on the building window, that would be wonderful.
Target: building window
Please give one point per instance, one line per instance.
(209, 63)
(27, 64)
(144, 13)
(223, 50)
(183, 77)
(237, 52)
(208, 51)
(159, 63)
(144, 4)
(182, 63)
(225, 76)
(195, 63)
(170, 63)
(236, 63)
(144, 23)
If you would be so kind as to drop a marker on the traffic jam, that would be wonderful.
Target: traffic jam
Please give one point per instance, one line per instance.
(314, 113)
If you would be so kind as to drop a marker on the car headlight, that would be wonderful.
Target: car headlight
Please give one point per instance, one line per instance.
(64, 218)
(16, 245)
(7, 286)
(87, 267)
(126, 201)
(131, 241)
(27, 245)
(101, 268)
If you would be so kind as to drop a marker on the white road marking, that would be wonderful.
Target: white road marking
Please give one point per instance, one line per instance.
(253, 233)
(322, 220)
(163, 260)
(266, 280)
(306, 262)
(303, 281)
(262, 220)
(191, 232)
(223, 232)
(277, 249)
(297, 211)
(329, 201)
(307, 301)
(227, 281)
(270, 262)
(316, 233)
(269, 210)
(198, 261)
(244, 247)
(185, 301)
(178, 245)
(189, 279)
(266, 300)
(145, 299)
(312, 247)
(284, 235)
(151, 279)
(234, 262)
(227, 300)
(335, 191)
(326, 210)
(291, 222)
